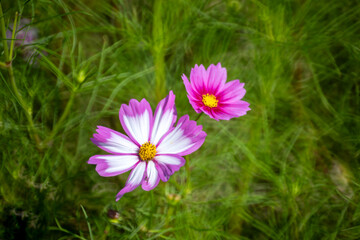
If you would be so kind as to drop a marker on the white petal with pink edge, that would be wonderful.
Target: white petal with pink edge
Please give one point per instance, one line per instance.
(152, 177)
(113, 141)
(165, 117)
(170, 159)
(139, 127)
(184, 139)
(135, 179)
(112, 165)
(120, 144)
(175, 142)
(167, 165)
(136, 119)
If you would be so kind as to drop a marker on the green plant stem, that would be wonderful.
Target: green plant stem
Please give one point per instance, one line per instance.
(63, 116)
(188, 185)
(27, 110)
(198, 117)
(8, 62)
(3, 33)
(159, 46)
(3, 65)
(13, 37)
(169, 214)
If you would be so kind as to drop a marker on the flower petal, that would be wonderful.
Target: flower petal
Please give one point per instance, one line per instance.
(195, 98)
(152, 177)
(235, 109)
(165, 117)
(198, 76)
(137, 120)
(135, 179)
(188, 87)
(167, 165)
(113, 141)
(216, 78)
(229, 110)
(112, 165)
(184, 139)
(232, 91)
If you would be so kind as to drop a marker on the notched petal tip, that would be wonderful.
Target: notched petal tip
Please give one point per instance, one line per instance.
(136, 120)
(164, 118)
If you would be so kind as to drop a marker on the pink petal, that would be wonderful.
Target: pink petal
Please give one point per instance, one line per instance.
(113, 141)
(167, 165)
(216, 78)
(198, 75)
(184, 139)
(196, 103)
(189, 88)
(135, 179)
(197, 86)
(137, 120)
(152, 177)
(232, 91)
(112, 165)
(230, 110)
(165, 117)
(208, 111)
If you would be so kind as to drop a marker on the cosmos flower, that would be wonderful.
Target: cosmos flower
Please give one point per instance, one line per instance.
(208, 92)
(153, 149)
(25, 34)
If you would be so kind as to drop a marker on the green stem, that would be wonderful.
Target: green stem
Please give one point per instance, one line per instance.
(188, 185)
(63, 116)
(27, 110)
(3, 32)
(4, 65)
(169, 214)
(159, 49)
(13, 37)
(198, 117)
(23, 104)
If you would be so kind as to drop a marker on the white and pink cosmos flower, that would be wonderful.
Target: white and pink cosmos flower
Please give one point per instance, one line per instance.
(153, 149)
(208, 92)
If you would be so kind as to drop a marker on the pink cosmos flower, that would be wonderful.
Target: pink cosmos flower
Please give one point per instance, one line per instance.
(27, 35)
(208, 92)
(153, 149)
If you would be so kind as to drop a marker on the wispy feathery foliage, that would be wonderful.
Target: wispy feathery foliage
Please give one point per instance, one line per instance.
(288, 169)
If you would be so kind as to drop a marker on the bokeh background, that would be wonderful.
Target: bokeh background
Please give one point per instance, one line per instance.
(289, 169)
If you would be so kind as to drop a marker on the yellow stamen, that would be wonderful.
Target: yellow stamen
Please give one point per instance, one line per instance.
(147, 151)
(210, 100)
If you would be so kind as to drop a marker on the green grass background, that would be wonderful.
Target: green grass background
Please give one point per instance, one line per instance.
(289, 169)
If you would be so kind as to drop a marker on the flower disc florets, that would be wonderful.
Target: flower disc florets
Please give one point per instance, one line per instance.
(209, 100)
(147, 151)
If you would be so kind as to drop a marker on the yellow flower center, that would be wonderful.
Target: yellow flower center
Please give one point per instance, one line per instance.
(147, 151)
(210, 100)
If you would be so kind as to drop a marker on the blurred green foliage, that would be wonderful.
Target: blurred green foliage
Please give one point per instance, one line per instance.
(289, 169)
